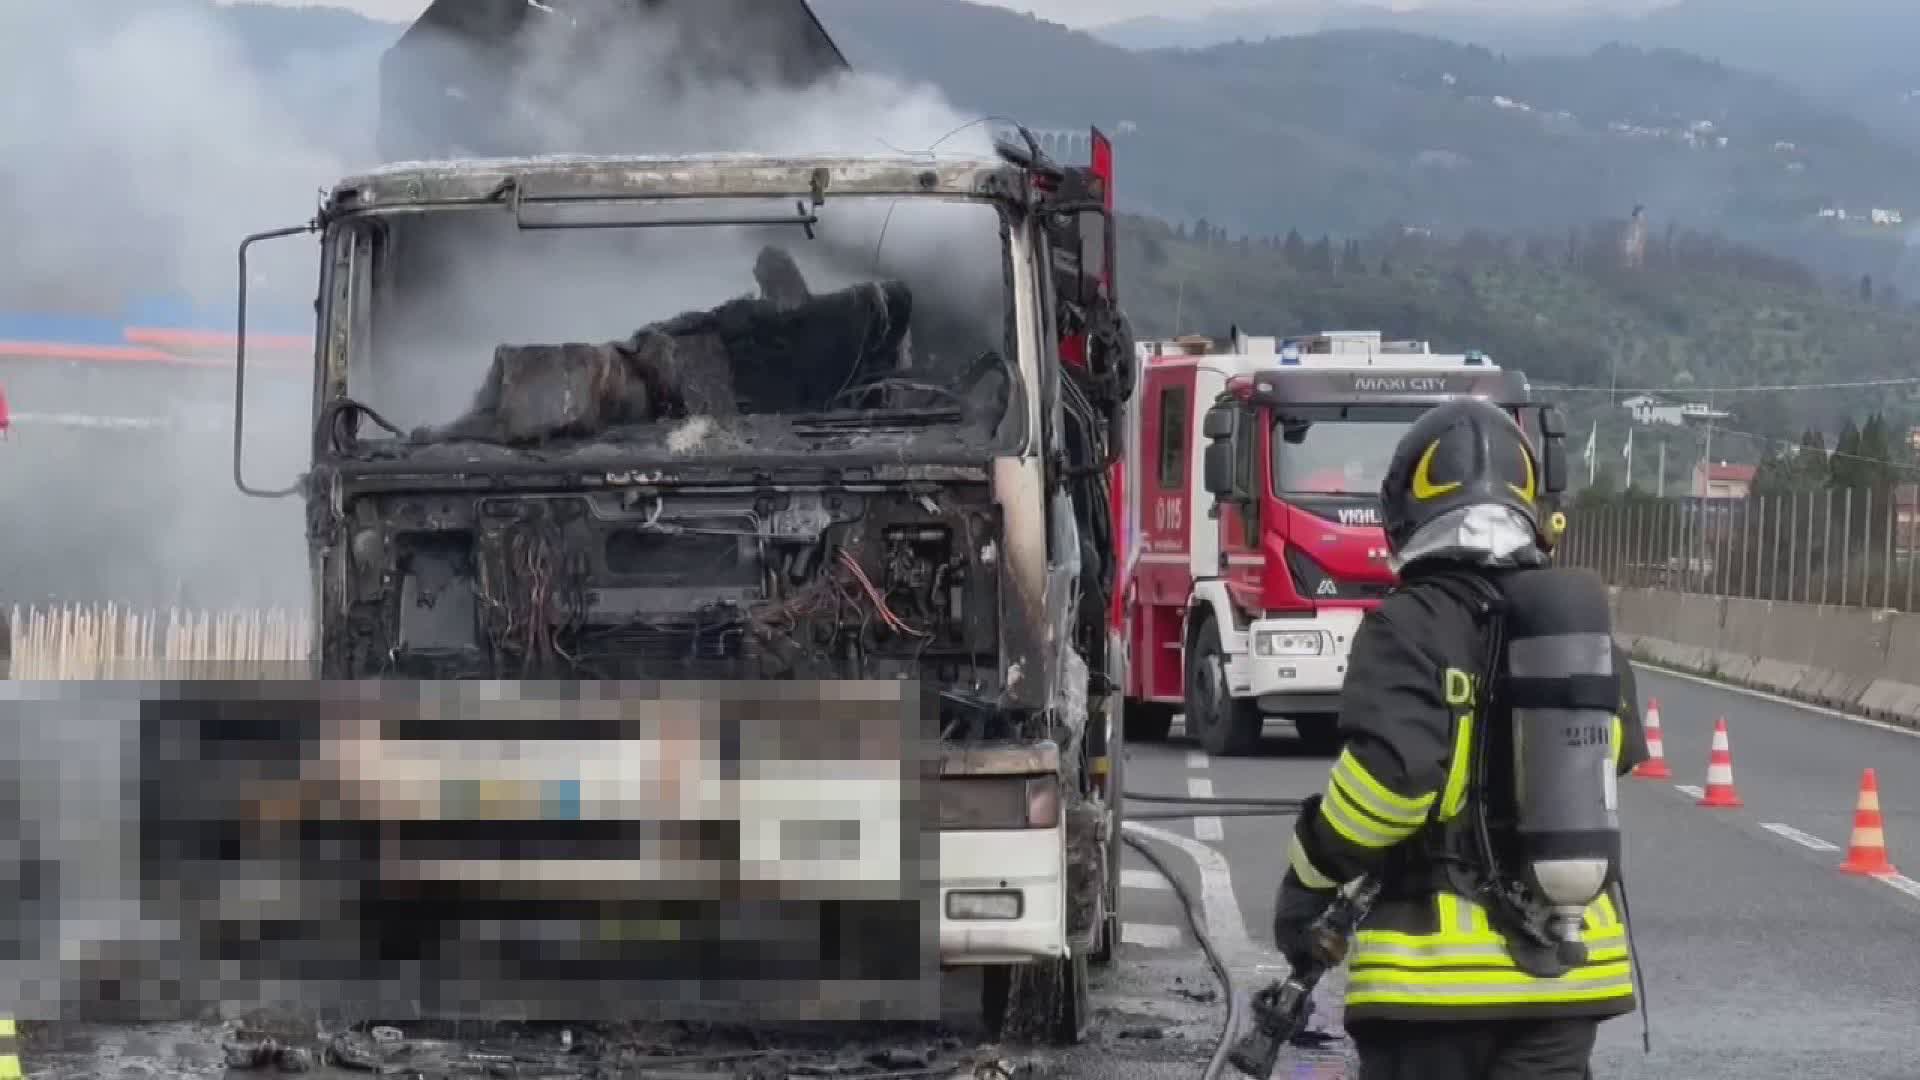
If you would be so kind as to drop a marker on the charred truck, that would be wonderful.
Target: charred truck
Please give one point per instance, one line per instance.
(1258, 465)
(726, 418)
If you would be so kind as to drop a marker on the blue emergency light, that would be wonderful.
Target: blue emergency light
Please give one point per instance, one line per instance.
(1290, 356)
(1475, 358)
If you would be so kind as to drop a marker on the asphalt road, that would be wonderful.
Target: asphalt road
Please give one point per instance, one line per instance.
(1761, 958)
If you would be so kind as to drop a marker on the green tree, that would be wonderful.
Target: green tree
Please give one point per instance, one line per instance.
(1320, 257)
(1810, 464)
(1843, 469)
(1294, 250)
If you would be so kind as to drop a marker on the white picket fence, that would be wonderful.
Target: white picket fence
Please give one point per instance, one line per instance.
(110, 642)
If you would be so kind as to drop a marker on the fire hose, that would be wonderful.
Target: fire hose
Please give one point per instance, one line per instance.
(1204, 806)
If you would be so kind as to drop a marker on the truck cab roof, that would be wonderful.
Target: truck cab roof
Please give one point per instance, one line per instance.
(419, 184)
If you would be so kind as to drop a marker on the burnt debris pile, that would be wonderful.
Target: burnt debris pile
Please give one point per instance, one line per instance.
(785, 352)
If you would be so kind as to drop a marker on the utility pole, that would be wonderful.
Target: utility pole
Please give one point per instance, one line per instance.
(1661, 484)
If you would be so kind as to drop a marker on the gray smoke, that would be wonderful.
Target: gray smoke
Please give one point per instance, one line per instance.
(137, 146)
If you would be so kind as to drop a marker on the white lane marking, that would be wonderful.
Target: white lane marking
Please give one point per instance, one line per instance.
(1690, 791)
(1131, 878)
(1196, 759)
(1806, 840)
(1219, 908)
(1211, 829)
(1150, 935)
(1763, 695)
(1902, 882)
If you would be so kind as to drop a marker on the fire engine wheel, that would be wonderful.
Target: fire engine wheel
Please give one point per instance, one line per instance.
(1224, 725)
(1149, 721)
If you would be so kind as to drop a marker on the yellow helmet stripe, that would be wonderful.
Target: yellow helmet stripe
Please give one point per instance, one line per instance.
(1527, 493)
(1423, 486)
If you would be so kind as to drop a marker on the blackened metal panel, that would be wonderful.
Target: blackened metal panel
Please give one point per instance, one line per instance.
(515, 77)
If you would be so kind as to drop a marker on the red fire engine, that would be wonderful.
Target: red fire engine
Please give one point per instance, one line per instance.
(1255, 519)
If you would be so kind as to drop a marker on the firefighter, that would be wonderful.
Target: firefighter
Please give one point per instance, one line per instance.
(1487, 955)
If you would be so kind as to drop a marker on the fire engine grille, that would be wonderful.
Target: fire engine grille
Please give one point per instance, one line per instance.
(1313, 583)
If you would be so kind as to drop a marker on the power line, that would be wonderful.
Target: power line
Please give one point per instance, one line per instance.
(1828, 453)
(1774, 388)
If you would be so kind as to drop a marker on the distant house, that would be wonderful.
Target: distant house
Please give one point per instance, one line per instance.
(1650, 410)
(1722, 481)
(1888, 217)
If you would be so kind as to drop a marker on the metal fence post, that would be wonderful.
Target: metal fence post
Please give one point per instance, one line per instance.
(1614, 528)
(1886, 559)
(1866, 549)
(1806, 572)
(1793, 534)
(1906, 543)
(1846, 547)
(1773, 552)
(1826, 549)
(1749, 554)
(1636, 544)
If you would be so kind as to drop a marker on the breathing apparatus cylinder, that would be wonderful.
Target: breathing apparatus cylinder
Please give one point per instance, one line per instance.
(1562, 692)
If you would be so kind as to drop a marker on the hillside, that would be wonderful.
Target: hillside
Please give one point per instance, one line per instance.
(1853, 54)
(1701, 313)
(1351, 128)
(1344, 129)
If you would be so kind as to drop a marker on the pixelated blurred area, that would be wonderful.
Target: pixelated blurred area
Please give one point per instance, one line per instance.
(578, 852)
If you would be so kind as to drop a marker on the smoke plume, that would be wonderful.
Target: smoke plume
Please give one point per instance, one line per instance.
(140, 140)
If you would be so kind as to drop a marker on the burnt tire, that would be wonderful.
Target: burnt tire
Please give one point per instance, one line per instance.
(1149, 721)
(1225, 726)
(1046, 1001)
(1319, 735)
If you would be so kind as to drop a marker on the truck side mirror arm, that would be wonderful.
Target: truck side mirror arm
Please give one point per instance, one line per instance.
(240, 369)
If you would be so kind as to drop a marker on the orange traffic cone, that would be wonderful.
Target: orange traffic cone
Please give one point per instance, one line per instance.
(1655, 767)
(1720, 794)
(1867, 851)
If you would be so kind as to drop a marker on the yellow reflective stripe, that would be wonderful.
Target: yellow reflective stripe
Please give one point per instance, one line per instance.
(1310, 875)
(8, 1029)
(1619, 740)
(1601, 915)
(10, 1067)
(1369, 956)
(1376, 798)
(1384, 987)
(1455, 797)
(1356, 824)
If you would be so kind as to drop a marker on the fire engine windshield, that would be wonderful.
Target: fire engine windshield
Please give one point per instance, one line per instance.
(1336, 449)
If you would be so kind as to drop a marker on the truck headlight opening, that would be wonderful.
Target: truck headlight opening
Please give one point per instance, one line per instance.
(1289, 643)
(987, 904)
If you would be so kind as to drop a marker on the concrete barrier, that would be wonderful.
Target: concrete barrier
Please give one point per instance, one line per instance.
(1861, 660)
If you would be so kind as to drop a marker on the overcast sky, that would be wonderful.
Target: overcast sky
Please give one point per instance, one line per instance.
(1079, 12)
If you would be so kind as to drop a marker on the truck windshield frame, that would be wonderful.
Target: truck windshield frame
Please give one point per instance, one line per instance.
(908, 410)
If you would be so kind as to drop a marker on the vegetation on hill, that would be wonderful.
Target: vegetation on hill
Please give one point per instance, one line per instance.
(1340, 130)
(1347, 129)
(1700, 315)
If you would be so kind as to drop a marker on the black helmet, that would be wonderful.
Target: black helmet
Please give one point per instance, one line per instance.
(1467, 453)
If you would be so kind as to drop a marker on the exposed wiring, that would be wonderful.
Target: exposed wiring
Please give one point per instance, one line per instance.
(879, 600)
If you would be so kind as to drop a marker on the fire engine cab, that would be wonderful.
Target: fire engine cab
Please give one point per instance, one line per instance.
(1257, 556)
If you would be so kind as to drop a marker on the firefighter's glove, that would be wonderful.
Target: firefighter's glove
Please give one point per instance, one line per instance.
(1295, 910)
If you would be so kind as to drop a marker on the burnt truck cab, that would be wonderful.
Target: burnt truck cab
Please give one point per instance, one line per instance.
(742, 418)
(1265, 546)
